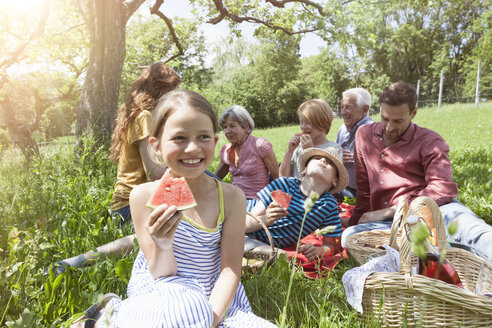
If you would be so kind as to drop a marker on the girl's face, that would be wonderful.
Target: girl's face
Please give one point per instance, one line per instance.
(234, 132)
(306, 127)
(187, 144)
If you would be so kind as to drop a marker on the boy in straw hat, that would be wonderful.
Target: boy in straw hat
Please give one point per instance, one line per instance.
(323, 172)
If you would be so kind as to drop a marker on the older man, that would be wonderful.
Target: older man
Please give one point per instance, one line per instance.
(355, 107)
(396, 157)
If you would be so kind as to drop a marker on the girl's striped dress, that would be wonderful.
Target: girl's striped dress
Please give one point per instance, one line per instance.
(181, 300)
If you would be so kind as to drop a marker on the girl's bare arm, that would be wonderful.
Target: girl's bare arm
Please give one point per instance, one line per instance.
(232, 246)
(155, 230)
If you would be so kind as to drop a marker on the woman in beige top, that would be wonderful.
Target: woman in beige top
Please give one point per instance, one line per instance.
(129, 148)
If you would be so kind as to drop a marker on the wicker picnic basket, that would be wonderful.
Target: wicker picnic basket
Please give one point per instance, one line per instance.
(402, 298)
(254, 259)
(365, 245)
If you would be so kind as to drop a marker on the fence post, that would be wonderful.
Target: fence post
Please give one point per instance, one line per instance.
(440, 90)
(477, 92)
(418, 92)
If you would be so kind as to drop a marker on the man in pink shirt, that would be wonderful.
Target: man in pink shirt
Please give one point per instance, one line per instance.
(396, 157)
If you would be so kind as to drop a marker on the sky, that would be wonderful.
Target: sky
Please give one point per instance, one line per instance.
(310, 43)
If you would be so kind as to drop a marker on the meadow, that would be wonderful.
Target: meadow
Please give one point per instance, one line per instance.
(57, 206)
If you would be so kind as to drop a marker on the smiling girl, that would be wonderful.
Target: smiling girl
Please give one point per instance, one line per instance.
(188, 268)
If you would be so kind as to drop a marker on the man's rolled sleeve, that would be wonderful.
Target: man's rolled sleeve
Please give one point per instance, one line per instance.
(438, 172)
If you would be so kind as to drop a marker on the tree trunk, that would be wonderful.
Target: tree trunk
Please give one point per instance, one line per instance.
(106, 22)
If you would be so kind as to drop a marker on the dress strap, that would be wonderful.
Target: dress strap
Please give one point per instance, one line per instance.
(221, 203)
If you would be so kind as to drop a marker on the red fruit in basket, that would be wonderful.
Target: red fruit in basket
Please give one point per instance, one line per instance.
(437, 267)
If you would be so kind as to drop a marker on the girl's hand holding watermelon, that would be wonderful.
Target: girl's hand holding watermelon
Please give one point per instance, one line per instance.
(294, 142)
(162, 224)
(305, 140)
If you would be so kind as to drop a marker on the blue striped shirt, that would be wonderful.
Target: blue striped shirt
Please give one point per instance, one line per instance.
(285, 231)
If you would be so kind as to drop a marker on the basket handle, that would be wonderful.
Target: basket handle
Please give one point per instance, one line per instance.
(399, 217)
(260, 222)
(442, 243)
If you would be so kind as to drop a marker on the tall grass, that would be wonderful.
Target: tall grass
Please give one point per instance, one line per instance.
(56, 207)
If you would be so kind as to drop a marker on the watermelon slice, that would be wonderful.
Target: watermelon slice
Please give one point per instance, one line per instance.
(281, 197)
(172, 191)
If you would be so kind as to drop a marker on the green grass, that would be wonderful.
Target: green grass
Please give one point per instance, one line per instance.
(56, 207)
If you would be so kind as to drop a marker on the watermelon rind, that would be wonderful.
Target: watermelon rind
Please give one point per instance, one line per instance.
(186, 207)
(327, 229)
(179, 208)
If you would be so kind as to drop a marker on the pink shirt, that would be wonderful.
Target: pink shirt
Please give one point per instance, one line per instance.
(251, 174)
(416, 165)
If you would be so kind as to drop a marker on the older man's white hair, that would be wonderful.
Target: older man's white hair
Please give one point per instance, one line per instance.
(363, 96)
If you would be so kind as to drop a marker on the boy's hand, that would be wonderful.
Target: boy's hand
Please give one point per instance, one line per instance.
(309, 250)
(162, 224)
(274, 212)
(294, 142)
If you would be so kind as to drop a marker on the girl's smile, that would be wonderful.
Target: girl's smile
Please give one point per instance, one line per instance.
(191, 162)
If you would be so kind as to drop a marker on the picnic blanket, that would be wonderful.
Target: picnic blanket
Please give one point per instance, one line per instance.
(320, 268)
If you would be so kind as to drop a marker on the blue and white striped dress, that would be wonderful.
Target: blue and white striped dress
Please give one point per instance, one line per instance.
(182, 300)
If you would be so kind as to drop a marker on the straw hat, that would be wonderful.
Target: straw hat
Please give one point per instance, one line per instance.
(334, 156)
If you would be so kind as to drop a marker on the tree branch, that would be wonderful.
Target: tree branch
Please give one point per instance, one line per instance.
(155, 11)
(131, 6)
(281, 4)
(35, 35)
(68, 30)
(223, 13)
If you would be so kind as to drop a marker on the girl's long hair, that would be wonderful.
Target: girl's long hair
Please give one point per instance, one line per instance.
(153, 82)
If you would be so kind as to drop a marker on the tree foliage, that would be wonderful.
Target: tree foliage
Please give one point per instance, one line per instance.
(264, 80)
(413, 41)
(367, 44)
(39, 68)
(149, 41)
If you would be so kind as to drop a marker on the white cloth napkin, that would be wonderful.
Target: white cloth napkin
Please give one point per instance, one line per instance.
(354, 279)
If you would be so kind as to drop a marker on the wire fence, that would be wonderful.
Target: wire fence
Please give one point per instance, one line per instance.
(453, 100)
(426, 102)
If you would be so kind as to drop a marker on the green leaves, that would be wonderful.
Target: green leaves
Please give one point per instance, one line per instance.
(418, 240)
(124, 269)
(453, 227)
(310, 200)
